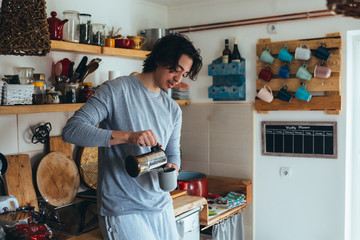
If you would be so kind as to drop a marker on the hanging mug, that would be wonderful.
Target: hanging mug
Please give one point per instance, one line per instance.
(266, 74)
(284, 71)
(303, 73)
(322, 53)
(303, 52)
(284, 95)
(266, 57)
(302, 94)
(266, 94)
(284, 55)
(322, 70)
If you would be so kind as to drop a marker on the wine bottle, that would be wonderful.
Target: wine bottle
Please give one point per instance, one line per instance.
(235, 56)
(226, 53)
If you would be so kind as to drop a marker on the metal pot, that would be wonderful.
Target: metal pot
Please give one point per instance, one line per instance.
(152, 35)
(196, 183)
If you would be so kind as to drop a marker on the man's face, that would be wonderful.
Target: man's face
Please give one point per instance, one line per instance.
(166, 78)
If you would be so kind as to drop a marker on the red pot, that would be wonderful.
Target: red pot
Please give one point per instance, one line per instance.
(194, 183)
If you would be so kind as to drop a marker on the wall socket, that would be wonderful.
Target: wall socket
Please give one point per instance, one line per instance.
(285, 172)
(272, 28)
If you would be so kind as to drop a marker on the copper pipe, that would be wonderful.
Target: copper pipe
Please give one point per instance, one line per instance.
(252, 21)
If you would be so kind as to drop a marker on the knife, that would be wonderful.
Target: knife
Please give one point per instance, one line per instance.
(80, 69)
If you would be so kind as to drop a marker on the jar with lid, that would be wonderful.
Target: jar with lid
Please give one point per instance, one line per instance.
(71, 28)
(25, 74)
(39, 77)
(71, 93)
(98, 34)
(85, 28)
(38, 93)
(85, 92)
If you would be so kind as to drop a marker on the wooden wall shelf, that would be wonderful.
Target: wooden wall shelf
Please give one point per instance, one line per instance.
(63, 107)
(92, 49)
(330, 99)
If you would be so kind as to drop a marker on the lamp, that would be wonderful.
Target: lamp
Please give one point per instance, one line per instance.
(348, 8)
(23, 28)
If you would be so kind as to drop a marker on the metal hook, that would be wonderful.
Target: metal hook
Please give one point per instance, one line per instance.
(322, 82)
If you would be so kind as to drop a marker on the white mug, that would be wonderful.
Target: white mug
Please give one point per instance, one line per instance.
(266, 94)
(303, 52)
(5, 203)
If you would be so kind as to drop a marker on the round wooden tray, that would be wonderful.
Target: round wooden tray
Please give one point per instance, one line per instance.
(57, 179)
(87, 161)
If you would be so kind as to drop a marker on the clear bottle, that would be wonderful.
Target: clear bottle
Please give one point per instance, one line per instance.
(98, 34)
(38, 96)
(71, 28)
(39, 77)
(226, 53)
(25, 74)
(235, 56)
(85, 28)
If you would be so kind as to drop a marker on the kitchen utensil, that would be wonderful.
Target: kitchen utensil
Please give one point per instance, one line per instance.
(197, 183)
(80, 70)
(152, 35)
(90, 69)
(71, 69)
(19, 180)
(58, 145)
(5, 204)
(167, 179)
(87, 162)
(137, 165)
(57, 179)
(56, 26)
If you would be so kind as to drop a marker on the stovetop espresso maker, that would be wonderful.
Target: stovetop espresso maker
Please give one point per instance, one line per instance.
(140, 164)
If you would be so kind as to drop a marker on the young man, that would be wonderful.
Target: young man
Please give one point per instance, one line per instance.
(136, 113)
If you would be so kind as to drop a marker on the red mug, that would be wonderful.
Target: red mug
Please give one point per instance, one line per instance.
(62, 67)
(266, 74)
(124, 43)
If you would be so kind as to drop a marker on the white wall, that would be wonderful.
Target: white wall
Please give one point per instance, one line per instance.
(311, 204)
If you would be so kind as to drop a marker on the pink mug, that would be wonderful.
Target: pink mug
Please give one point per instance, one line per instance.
(322, 71)
(266, 94)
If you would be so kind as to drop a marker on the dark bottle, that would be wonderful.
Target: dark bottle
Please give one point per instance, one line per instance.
(226, 53)
(235, 56)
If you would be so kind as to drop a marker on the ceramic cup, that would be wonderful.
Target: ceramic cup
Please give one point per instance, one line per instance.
(266, 57)
(266, 94)
(284, 71)
(322, 53)
(265, 74)
(303, 52)
(302, 94)
(284, 55)
(167, 179)
(322, 71)
(284, 95)
(303, 73)
(5, 203)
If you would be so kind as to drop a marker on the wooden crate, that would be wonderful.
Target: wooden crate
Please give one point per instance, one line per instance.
(330, 101)
(222, 186)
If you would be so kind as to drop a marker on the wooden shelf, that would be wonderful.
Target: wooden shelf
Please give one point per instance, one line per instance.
(92, 49)
(63, 107)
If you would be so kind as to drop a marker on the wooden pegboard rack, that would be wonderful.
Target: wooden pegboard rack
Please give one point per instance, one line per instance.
(330, 102)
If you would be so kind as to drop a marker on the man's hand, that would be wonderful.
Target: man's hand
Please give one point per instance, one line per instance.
(173, 165)
(143, 138)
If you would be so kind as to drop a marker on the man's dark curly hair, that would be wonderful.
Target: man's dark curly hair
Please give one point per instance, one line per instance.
(167, 52)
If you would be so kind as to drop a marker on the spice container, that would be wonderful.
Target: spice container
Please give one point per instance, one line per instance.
(25, 74)
(71, 28)
(85, 28)
(98, 34)
(38, 93)
(39, 77)
(70, 93)
(85, 92)
(52, 96)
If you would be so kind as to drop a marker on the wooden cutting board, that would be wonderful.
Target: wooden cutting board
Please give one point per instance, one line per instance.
(58, 145)
(18, 180)
(87, 161)
(57, 178)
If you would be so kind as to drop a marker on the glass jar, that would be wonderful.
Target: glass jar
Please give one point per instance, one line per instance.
(70, 93)
(85, 92)
(85, 28)
(39, 77)
(98, 34)
(38, 93)
(71, 28)
(25, 74)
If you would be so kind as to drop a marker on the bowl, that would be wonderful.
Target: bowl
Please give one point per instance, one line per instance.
(124, 43)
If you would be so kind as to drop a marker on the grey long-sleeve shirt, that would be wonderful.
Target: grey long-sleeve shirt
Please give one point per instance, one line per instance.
(125, 104)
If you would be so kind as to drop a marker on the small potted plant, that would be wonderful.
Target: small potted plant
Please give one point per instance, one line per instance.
(112, 33)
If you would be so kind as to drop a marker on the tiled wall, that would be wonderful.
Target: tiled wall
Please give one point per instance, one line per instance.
(217, 140)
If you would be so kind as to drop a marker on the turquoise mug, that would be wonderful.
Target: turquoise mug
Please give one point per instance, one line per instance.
(284, 71)
(284, 55)
(303, 73)
(266, 57)
(302, 94)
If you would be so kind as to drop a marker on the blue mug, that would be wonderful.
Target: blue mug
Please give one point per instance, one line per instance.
(322, 53)
(284, 55)
(302, 94)
(284, 71)
(284, 95)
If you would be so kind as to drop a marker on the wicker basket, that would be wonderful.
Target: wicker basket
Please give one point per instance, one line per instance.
(17, 94)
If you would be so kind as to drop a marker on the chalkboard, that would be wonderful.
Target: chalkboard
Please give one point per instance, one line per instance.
(299, 139)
